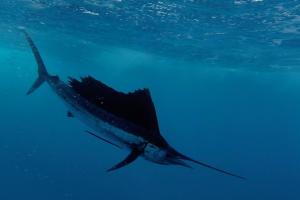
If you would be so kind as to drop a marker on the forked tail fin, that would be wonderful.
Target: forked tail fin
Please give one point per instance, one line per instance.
(42, 71)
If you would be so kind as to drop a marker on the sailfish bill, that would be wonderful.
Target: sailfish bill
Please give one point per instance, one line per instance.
(124, 120)
(211, 167)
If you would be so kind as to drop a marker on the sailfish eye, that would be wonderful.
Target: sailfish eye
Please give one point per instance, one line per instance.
(160, 154)
(55, 79)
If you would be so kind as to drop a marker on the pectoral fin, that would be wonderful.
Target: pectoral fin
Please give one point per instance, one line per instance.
(135, 153)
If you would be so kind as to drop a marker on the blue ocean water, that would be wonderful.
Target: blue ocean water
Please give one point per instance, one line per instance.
(224, 78)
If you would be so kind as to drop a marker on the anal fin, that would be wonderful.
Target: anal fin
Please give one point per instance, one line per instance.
(135, 153)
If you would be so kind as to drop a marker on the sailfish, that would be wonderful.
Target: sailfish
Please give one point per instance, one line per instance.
(124, 120)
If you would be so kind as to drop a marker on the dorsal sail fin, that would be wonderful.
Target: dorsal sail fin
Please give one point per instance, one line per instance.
(136, 107)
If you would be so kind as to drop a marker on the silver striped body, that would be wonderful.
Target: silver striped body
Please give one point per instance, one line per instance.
(124, 139)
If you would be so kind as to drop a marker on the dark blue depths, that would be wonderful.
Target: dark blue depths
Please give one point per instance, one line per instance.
(224, 77)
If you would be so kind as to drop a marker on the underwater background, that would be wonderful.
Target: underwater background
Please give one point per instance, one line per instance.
(224, 78)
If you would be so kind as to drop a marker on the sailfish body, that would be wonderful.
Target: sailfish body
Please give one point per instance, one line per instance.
(125, 120)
